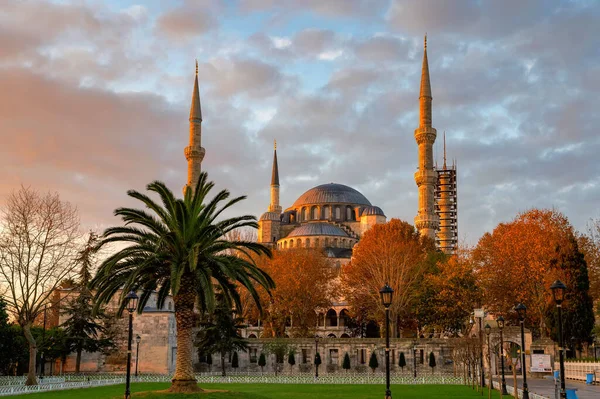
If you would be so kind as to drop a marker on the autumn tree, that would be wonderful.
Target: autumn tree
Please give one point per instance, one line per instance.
(589, 245)
(392, 253)
(447, 293)
(39, 244)
(304, 280)
(517, 262)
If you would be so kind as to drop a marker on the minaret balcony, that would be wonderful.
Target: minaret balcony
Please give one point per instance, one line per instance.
(194, 153)
(427, 177)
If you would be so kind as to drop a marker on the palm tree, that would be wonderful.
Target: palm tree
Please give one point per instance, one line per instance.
(178, 247)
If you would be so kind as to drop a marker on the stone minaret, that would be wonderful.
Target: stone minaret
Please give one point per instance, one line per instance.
(426, 221)
(194, 153)
(274, 205)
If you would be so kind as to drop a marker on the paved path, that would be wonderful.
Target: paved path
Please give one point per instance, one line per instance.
(545, 387)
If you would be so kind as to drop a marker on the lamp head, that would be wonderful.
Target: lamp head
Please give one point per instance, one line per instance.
(488, 330)
(138, 339)
(500, 321)
(387, 294)
(521, 311)
(131, 301)
(558, 291)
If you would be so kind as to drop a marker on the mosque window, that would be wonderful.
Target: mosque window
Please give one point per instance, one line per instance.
(299, 243)
(349, 213)
(285, 244)
(307, 243)
(303, 218)
(315, 213)
(326, 212)
(338, 213)
(291, 243)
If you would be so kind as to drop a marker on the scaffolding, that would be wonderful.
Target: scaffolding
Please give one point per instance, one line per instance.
(446, 208)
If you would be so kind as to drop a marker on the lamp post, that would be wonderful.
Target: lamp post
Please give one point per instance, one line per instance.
(558, 292)
(522, 310)
(500, 322)
(488, 331)
(317, 356)
(594, 349)
(387, 294)
(415, 359)
(131, 301)
(138, 339)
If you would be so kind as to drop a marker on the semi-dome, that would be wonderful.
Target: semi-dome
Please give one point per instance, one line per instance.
(372, 210)
(331, 193)
(317, 229)
(270, 216)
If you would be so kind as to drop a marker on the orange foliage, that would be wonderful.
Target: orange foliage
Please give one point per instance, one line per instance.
(304, 281)
(517, 262)
(391, 253)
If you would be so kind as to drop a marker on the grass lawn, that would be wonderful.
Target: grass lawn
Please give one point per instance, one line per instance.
(268, 391)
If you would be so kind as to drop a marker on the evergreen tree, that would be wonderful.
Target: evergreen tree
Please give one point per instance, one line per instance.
(373, 363)
(317, 359)
(235, 363)
(291, 360)
(10, 349)
(577, 308)
(84, 329)
(346, 364)
(262, 361)
(432, 361)
(220, 334)
(402, 361)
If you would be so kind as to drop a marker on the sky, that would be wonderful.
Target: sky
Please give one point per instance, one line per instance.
(95, 97)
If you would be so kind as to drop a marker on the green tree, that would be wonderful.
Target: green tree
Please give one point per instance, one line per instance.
(402, 361)
(346, 364)
(291, 360)
(179, 247)
(578, 308)
(235, 363)
(10, 347)
(262, 361)
(431, 361)
(317, 360)
(219, 333)
(85, 329)
(278, 347)
(373, 363)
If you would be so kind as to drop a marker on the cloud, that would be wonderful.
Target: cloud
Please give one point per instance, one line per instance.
(185, 23)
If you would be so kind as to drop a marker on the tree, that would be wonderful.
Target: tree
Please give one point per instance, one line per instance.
(39, 243)
(178, 247)
(235, 363)
(518, 261)
(291, 304)
(262, 361)
(291, 360)
(346, 364)
(317, 360)
(9, 346)
(589, 245)
(220, 333)
(402, 361)
(278, 347)
(431, 361)
(392, 253)
(373, 363)
(84, 328)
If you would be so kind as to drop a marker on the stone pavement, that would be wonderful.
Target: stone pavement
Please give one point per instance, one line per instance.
(545, 387)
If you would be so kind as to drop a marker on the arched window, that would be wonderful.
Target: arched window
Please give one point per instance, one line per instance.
(349, 213)
(285, 244)
(335, 243)
(307, 243)
(326, 212)
(338, 213)
(315, 213)
(303, 218)
(331, 318)
(326, 241)
(299, 243)
(291, 243)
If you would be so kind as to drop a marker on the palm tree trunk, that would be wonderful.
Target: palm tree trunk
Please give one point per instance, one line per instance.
(184, 380)
(31, 379)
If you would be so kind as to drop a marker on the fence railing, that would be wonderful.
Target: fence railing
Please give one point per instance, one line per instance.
(511, 391)
(580, 370)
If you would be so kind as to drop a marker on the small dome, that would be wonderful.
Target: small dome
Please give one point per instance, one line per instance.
(331, 193)
(270, 216)
(317, 229)
(372, 210)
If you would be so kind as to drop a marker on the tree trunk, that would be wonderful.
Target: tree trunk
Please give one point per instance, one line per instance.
(184, 380)
(223, 364)
(78, 360)
(31, 379)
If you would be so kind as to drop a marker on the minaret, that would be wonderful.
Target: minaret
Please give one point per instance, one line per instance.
(426, 221)
(446, 201)
(194, 153)
(274, 205)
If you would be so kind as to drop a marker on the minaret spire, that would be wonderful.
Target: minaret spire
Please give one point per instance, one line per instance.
(194, 153)
(274, 205)
(426, 221)
(444, 149)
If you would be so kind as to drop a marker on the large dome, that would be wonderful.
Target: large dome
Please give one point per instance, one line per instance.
(317, 229)
(331, 193)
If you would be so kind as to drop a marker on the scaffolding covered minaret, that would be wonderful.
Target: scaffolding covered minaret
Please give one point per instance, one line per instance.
(446, 207)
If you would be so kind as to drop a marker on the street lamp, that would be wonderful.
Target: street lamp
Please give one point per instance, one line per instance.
(415, 359)
(138, 339)
(521, 311)
(500, 322)
(387, 294)
(481, 313)
(558, 292)
(488, 331)
(317, 357)
(131, 301)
